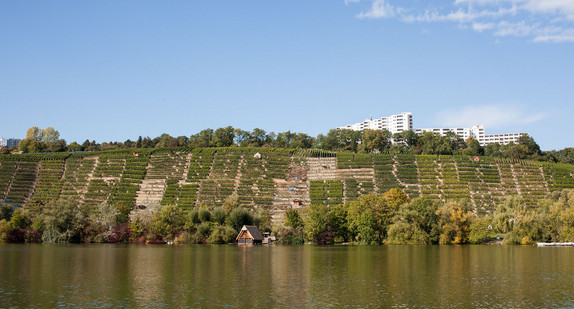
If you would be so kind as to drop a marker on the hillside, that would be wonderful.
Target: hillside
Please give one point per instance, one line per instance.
(269, 178)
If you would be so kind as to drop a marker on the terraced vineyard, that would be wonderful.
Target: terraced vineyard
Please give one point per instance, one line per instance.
(272, 179)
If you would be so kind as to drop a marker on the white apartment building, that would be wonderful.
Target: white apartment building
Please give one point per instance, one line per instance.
(502, 139)
(394, 123)
(478, 133)
(404, 121)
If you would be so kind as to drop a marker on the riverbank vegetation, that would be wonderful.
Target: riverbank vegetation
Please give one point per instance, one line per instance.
(390, 218)
(393, 219)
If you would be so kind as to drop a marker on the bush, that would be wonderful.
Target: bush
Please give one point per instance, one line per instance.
(480, 230)
(290, 236)
(219, 216)
(204, 215)
(293, 219)
(402, 233)
(167, 222)
(238, 218)
(222, 235)
(5, 230)
(184, 238)
(204, 229)
(64, 222)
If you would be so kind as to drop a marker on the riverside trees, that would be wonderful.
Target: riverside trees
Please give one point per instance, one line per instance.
(386, 219)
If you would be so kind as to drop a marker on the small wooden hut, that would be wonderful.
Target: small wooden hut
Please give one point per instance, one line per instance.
(249, 235)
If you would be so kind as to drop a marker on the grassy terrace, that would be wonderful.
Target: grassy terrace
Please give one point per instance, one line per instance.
(206, 176)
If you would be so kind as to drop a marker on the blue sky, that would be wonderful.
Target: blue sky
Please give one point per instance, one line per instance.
(114, 70)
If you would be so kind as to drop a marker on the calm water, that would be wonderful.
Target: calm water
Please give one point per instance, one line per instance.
(111, 276)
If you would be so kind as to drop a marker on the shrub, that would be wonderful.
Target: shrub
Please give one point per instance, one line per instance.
(222, 235)
(480, 230)
(293, 219)
(290, 236)
(219, 216)
(204, 229)
(238, 218)
(402, 233)
(204, 215)
(167, 222)
(5, 230)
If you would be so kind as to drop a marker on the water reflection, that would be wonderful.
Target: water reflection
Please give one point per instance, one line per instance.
(40, 276)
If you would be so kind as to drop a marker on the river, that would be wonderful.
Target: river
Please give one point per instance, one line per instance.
(202, 276)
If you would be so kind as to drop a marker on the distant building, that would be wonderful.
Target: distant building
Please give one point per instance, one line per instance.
(394, 123)
(404, 121)
(9, 142)
(478, 133)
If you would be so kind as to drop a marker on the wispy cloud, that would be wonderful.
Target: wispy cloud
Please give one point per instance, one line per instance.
(380, 9)
(491, 116)
(536, 20)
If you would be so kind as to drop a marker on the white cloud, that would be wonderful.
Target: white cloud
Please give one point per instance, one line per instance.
(491, 116)
(536, 20)
(380, 9)
(479, 27)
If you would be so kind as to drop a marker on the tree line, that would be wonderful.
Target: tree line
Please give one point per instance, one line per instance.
(390, 218)
(366, 141)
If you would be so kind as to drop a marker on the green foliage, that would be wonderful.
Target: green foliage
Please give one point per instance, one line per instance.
(290, 236)
(63, 222)
(204, 215)
(316, 221)
(167, 222)
(222, 235)
(480, 230)
(454, 222)
(219, 216)
(403, 233)
(230, 203)
(376, 140)
(6, 211)
(238, 218)
(293, 219)
(20, 219)
(368, 218)
(5, 230)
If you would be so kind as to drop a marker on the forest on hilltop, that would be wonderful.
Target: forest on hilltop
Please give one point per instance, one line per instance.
(367, 141)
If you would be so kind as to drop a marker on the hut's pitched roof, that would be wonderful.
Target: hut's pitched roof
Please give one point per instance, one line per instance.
(252, 230)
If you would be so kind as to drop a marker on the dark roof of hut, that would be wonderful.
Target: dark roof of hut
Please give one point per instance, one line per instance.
(253, 231)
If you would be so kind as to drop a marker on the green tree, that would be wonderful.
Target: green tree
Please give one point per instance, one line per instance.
(63, 222)
(455, 223)
(316, 222)
(49, 135)
(74, 147)
(473, 148)
(224, 137)
(480, 230)
(167, 222)
(239, 217)
(204, 138)
(34, 134)
(373, 211)
(531, 145)
(408, 138)
(379, 140)
(293, 219)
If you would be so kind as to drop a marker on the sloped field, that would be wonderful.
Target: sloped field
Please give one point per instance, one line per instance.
(266, 178)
